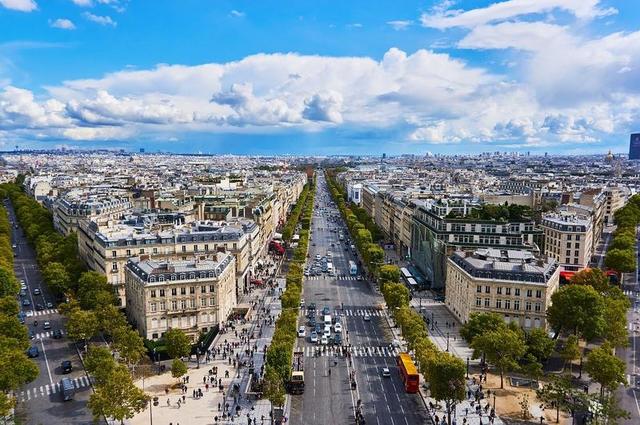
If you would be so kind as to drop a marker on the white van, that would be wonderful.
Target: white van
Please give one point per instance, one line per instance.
(327, 319)
(330, 268)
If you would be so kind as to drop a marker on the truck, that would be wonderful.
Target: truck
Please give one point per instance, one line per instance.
(296, 382)
(68, 389)
(353, 268)
(276, 248)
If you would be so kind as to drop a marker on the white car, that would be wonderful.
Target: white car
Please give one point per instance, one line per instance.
(337, 327)
(302, 332)
(367, 318)
(314, 337)
(324, 340)
(386, 373)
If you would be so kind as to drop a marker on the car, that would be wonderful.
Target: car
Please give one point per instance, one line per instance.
(312, 322)
(317, 257)
(337, 327)
(57, 334)
(395, 344)
(386, 373)
(367, 318)
(49, 304)
(318, 327)
(359, 277)
(326, 310)
(32, 334)
(301, 332)
(312, 306)
(23, 293)
(14, 246)
(66, 366)
(23, 285)
(337, 339)
(46, 325)
(36, 291)
(33, 352)
(439, 298)
(324, 340)
(39, 307)
(306, 273)
(302, 303)
(26, 302)
(313, 337)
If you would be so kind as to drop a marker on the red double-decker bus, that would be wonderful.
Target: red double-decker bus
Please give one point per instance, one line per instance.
(409, 373)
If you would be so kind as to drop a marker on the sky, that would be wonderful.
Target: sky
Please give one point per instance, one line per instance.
(320, 77)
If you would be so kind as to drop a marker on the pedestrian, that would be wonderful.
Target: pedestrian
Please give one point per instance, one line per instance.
(168, 402)
(184, 399)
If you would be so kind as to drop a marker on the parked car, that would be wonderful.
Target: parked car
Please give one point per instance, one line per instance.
(66, 366)
(57, 334)
(33, 352)
(26, 302)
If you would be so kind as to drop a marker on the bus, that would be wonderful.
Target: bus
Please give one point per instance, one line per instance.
(353, 269)
(406, 274)
(409, 373)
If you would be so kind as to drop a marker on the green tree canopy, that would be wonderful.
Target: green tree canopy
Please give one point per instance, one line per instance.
(622, 260)
(57, 278)
(9, 306)
(9, 285)
(539, 345)
(100, 363)
(502, 347)
(16, 369)
(117, 397)
(94, 291)
(480, 323)
(578, 309)
(273, 388)
(389, 274)
(82, 325)
(178, 343)
(396, 295)
(178, 368)
(446, 380)
(605, 368)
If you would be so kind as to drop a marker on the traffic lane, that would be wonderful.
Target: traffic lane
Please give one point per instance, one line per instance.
(411, 406)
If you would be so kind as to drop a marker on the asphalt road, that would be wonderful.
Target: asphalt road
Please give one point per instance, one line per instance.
(328, 397)
(40, 402)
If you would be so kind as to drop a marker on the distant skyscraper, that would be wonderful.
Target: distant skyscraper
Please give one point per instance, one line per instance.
(384, 155)
(141, 150)
(634, 146)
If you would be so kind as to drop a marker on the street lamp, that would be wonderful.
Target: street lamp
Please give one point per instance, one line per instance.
(467, 367)
(432, 321)
(447, 341)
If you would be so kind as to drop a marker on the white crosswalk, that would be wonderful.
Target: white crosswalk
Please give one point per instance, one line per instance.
(47, 334)
(337, 277)
(46, 390)
(356, 351)
(360, 312)
(33, 313)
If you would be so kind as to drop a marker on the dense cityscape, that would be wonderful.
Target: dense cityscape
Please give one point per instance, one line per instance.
(279, 212)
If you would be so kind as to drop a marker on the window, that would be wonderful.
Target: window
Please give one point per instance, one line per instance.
(192, 302)
(174, 305)
(498, 303)
(203, 302)
(576, 245)
(529, 293)
(479, 289)
(173, 277)
(128, 253)
(568, 253)
(195, 248)
(577, 237)
(576, 253)
(203, 289)
(212, 288)
(575, 261)
(487, 302)
(153, 307)
(568, 244)
(163, 306)
(538, 293)
(183, 304)
(487, 289)
(155, 250)
(568, 237)
(192, 289)
(499, 290)
(183, 291)
(478, 302)
(184, 248)
(161, 278)
(212, 301)
(174, 291)
(206, 248)
(114, 266)
(141, 250)
(508, 291)
(527, 306)
(162, 292)
(114, 254)
(152, 278)
(538, 307)
(517, 292)
(153, 293)
(507, 304)
(516, 304)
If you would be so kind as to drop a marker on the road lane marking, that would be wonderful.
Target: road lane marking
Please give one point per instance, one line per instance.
(46, 361)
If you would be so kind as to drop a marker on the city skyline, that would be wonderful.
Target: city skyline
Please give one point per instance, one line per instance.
(555, 76)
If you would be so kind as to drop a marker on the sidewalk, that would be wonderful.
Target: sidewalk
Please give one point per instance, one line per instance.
(216, 392)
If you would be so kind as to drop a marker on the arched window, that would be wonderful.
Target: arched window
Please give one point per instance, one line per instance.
(152, 278)
(161, 278)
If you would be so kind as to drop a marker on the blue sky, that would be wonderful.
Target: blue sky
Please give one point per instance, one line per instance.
(323, 77)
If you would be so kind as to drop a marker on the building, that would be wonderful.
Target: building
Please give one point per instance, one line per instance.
(634, 146)
(71, 208)
(194, 296)
(354, 192)
(569, 238)
(615, 198)
(437, 233)
(514, 283)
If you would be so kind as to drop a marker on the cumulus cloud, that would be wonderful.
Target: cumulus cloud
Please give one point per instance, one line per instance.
(63, 24)
(237, 14)
(400, 25)
(324, 107)
(83, 3)
(19, 5)
(102, 20)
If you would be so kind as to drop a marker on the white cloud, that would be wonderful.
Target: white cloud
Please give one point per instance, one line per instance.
(324, 107)
(83, 3)
(63, 24)
(102, 20)
(237, 14)
(501, 11)
(19, 5)
(400, 25)
(532, 36)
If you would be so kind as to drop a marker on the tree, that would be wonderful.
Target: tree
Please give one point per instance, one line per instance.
(82, 325)
(178, 343)
(622, 260)
(94, 291)
(389, 273)
(502, 348)
(117, 397)
(570, 352)
(273, 387)
(100, 363)
(9, 306)
(480, 323)
(578, 309)
(556, 393)
(7, 403)
(10, 327)
(446, 380)
(57, 278)
(605, 368)
(129, 345)
(9, 285)
(595, 278)
(16, 369)
(615, 315)
(610, 409)
(395, 295)
(539, 345)
(110, 319)
(178, 368)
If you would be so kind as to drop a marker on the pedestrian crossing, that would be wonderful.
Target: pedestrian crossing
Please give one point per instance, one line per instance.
(354, 350)
(337, 277)
(47, 334)
(35, 313)
(629, 293)
(360, 312)
(47, 390)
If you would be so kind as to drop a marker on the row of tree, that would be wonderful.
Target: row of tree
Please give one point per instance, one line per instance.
(621, 251)
(292, 222)
(280, 352)
(16, 369)
(363, 230)
(91, 306)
